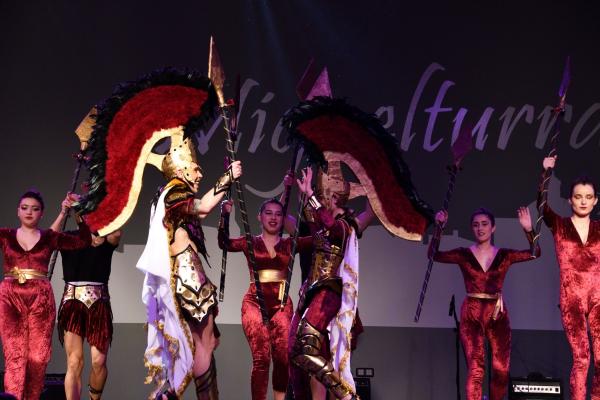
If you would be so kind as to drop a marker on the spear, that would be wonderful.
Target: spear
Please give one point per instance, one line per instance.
(234, 125)
(83, 132)
(217, 76)
(559, 112)
(460, 148)
(319, 86)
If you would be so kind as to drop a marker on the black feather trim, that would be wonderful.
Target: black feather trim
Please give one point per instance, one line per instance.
(321, 105)
(107, 110)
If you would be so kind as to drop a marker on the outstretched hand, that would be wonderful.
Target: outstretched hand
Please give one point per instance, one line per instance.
(525, 219)
(305, 182)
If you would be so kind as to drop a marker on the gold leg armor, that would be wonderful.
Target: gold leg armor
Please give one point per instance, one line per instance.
(206, 384)
(306, 354)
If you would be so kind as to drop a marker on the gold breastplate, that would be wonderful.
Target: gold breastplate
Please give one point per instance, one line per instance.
(326, 258)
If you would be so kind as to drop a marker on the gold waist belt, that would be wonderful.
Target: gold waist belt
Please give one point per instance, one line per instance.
(24, 274)
(499, 308)
(87, 294)
(273, 276)
(270, 275)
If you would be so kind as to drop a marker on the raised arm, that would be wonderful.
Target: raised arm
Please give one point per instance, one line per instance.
(447, 257)
(212, 198)
(550, 217)
(225, 242)
(114, 237)
(364, 219)
(527, 225)
(65, 207)
(65, 241)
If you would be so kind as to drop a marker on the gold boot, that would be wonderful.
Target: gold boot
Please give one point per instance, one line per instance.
(206, 384)
(306, 354)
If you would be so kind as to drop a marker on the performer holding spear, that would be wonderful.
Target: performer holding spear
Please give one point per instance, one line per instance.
(333, 132)
(577, 242)
(181, 301)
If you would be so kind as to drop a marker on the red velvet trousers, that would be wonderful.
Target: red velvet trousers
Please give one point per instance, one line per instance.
(27, 314)
(323, 307)
(580, 307)
(477, 324)
(267, 342)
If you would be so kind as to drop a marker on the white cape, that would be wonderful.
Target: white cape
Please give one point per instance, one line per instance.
(169, 353)
(340, 326)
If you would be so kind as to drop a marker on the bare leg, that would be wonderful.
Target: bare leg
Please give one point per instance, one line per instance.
(98, 373)
(74, 351)
(203, 369)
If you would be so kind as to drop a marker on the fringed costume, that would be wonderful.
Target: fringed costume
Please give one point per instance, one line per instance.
(85, 306)
(27, 310)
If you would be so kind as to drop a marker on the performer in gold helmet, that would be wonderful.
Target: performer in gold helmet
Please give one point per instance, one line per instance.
(180, 300)
(332, 132)
(178, 213)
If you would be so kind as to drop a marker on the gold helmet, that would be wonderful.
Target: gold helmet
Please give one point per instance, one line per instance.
(181, 156)
(333, 182)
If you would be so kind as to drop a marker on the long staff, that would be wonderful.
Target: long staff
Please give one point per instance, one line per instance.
(558, 112)
(234, 131)
(460, 148)
(217, 76)
(84, 132)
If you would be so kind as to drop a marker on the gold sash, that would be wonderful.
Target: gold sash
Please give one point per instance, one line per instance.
(24, 274)
(499, 308)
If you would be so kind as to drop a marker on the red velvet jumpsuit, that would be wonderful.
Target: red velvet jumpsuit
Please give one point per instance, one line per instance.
(477, 317)
(27, 310)
(270, 341)
(579, 265)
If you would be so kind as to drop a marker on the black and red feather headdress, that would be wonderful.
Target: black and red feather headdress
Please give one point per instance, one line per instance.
(128, 125)
(332, 130)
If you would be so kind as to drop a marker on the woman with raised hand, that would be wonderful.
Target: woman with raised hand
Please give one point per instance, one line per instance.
(577, 242)
(483, 313)
(27, 309)
(272, 254)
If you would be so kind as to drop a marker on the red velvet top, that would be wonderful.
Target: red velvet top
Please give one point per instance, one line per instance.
(39, 256)
(476, 279)
(263, 259)
(571, 253)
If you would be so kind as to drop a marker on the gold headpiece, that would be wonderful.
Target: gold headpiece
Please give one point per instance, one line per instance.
(180, 156)
(333, 182)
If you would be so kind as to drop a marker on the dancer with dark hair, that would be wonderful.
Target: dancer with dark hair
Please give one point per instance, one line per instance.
(483, 314)
(272, 254)
(27, 310)
(85, 311)
(577, 242)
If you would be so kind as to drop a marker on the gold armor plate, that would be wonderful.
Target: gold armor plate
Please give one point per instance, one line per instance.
(194, 291)
(87, 294)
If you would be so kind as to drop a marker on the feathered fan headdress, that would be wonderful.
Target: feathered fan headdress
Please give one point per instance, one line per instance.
(167, 103)
(332, 131)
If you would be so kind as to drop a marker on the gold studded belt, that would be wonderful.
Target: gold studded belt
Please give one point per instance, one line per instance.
(499, 308)
(24, 274)
(87, 294)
